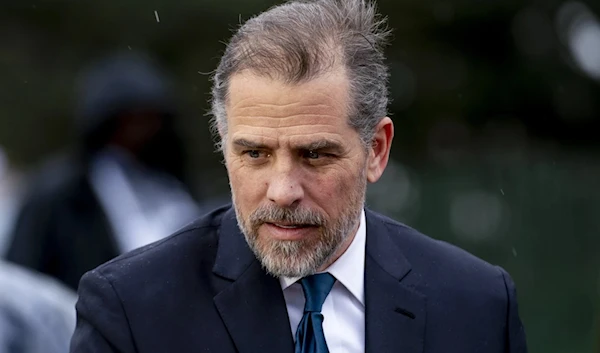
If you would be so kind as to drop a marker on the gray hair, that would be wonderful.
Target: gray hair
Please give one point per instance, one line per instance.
(301, 40)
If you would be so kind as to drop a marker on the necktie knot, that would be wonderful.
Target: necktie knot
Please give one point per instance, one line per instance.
(316, 288)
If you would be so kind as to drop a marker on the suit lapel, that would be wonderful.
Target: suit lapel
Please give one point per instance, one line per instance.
(394, 313)
(254, 311)
(252, 307)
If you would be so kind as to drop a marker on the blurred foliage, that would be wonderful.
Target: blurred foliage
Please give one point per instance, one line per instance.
(538, 218)
(493, 121)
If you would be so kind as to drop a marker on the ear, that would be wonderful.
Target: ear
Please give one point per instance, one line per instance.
(379, 151)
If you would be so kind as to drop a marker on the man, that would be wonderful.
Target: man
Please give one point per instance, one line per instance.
(297, 264)
(124, 188)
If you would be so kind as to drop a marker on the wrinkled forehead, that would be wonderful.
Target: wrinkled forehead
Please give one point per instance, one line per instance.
(255, 95)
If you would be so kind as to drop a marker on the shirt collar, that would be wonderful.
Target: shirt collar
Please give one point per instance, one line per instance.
(347, 266)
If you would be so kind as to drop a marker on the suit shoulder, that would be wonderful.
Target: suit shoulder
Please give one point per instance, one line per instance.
(193, 245)
(431, 254)
(447, 274)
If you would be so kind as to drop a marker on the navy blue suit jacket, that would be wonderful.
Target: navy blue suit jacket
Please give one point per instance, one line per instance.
(202, 290)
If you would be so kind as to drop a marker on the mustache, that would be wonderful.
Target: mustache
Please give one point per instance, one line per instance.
(297, 215)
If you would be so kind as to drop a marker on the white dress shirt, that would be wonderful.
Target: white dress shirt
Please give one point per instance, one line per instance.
(344, 307)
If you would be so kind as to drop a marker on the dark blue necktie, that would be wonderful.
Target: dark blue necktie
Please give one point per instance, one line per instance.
(309, 335)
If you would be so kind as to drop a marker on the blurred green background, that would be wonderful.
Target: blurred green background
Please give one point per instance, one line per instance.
(496, 106)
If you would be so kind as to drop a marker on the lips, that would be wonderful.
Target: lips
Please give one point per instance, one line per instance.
(283, 231)
(291, 226)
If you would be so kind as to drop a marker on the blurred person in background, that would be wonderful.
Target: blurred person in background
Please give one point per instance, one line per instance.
(297, 264)
(11, 187)
(37, 312)
(125, 187)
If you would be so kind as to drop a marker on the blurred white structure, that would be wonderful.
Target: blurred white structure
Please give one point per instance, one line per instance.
(11, 185)
(37, 313)
(579, 29)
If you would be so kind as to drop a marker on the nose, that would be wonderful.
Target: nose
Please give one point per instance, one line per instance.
(285, 187)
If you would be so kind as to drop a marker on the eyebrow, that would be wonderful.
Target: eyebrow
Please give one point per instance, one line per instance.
(327, 145)
(249, 144)
(319, 145)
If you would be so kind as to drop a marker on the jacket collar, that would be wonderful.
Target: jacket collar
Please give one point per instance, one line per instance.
(254, 311)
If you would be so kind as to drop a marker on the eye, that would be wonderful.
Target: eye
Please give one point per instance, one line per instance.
(253, 153)
(256, 156)
(312, 155)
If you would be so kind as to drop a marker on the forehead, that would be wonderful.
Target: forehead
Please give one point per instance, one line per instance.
(257, 100)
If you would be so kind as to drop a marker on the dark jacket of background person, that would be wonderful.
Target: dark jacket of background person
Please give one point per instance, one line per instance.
(63, 229)
(203, 290)
(37, 313)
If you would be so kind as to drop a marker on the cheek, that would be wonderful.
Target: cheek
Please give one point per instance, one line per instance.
(248, 187)
(330, 192)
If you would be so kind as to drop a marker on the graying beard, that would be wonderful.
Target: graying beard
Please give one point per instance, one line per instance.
(288, 262)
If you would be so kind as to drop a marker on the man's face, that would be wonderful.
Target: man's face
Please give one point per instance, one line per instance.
(297, 170)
